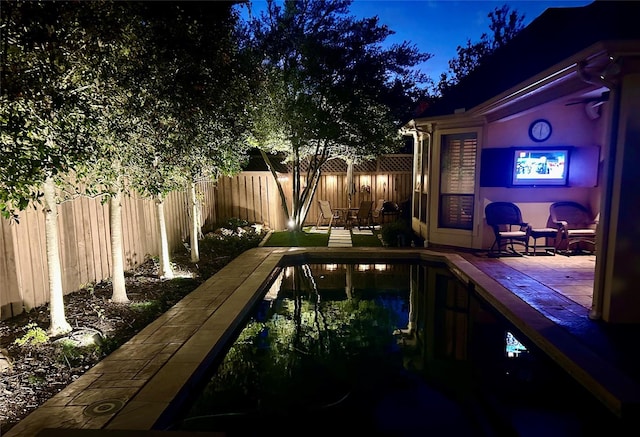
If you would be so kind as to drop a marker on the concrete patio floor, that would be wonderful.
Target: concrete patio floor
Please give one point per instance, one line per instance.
(546, 297)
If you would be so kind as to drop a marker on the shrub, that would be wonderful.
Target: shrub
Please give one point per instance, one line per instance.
(74, 355)
(397, 233)
(35, 335)
(234, 223)
(232, 238)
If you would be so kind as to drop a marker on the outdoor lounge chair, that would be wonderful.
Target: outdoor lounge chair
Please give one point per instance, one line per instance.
(363, 215)
(326, 215)
(575, 223)
(376, 214)
(508, 227)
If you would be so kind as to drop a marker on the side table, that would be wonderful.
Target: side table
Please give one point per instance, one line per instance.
(545, 233)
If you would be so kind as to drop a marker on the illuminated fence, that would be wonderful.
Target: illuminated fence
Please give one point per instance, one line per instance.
(84, 230)
(85, 245)
(253, 196)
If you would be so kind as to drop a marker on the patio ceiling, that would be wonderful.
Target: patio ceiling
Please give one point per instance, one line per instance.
(578, 79)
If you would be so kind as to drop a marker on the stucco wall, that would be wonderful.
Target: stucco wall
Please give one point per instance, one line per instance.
(571, 127)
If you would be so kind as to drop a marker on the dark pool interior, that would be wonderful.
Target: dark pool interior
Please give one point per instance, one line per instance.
(388, 350)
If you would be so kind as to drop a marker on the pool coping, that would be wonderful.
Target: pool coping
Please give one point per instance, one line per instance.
(134, 388)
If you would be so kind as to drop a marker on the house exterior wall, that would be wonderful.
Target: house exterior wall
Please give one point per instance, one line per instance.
(607, 184)
(448, 236)
(571, 127)
(616, 297)
(583, 69)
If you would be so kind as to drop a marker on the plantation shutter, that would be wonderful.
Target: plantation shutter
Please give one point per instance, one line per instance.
(457, 181)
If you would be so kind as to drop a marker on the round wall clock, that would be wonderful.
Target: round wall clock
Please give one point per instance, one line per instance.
(540, 130)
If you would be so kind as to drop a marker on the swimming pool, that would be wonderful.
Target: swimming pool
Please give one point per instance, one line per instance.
(383, 348)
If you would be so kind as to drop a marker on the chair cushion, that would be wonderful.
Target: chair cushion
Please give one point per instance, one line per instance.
(513, 234)
(543, 231)
(581, 232)
(572, 214)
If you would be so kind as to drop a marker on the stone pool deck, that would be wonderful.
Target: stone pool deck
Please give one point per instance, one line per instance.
(134, 388)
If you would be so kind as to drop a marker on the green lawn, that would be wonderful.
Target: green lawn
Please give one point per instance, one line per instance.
(366, 240)
(297, 239)
(306, 239)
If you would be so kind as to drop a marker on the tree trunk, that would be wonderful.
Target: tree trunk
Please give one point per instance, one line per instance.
(295, 184)
(350, 186)
(308, 194)
(348, 288)
(301, 198)
(59, 324)
(165, 262)
(119, 294)
(195, 223)
(283, 198)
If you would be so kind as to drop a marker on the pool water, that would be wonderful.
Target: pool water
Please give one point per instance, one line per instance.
(385, 349)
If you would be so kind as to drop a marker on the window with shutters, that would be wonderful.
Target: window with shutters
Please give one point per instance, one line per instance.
(421, 175)
(457, 180)
(417, 173)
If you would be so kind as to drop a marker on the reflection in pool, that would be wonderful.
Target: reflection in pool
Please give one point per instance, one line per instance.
(383, 349)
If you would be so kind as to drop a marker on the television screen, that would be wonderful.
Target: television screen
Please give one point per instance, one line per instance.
(533, 167)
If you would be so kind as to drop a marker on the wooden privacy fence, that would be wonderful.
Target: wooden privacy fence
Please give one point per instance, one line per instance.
(253, 196)
(388, 178)
(392, 187)
(85, 244)
(84, 229)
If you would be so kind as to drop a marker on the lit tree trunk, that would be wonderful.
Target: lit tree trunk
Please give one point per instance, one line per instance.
(350, 187)
(119, 289)
(195, 223)
(348, 288)
(283, 198)
(308, 195)
(165, 263)
(296, 224)
(59, 323)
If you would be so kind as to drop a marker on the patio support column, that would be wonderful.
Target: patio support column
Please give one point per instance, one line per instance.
(616, 291)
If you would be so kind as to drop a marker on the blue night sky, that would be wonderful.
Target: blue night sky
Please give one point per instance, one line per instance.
(439, 26)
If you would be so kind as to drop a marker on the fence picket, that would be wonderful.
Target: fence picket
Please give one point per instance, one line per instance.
(84, 228)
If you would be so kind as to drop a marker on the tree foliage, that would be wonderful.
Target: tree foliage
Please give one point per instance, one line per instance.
(148, 95)
(49, 108)
(330, 89)
(505, 24)
(191, 119)
(48, 97)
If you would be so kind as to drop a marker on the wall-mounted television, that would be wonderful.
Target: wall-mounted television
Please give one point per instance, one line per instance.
(537, 166)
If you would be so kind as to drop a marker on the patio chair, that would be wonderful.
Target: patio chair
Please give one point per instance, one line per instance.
(362, 215)
(376, 214)
(326, 215)
(576, 225)
(508, 227)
